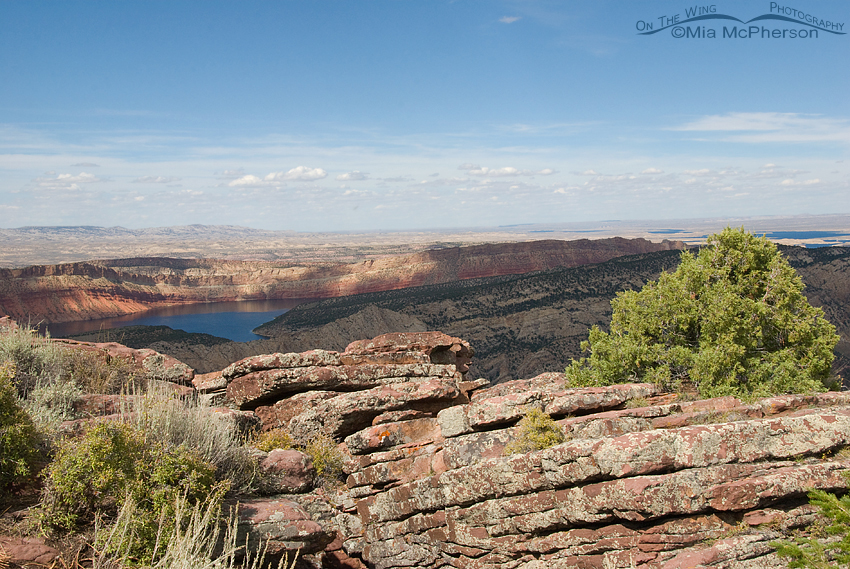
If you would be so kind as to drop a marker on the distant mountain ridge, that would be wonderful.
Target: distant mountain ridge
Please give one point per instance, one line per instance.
(100, 289)
(95, 230)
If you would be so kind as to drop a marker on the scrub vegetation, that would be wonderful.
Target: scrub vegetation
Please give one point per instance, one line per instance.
(143, 490)
(535, 431)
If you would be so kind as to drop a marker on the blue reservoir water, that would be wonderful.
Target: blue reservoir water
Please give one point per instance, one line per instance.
(231, 320)
(804, 234)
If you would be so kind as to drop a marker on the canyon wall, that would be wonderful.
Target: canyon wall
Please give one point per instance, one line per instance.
(102, 289)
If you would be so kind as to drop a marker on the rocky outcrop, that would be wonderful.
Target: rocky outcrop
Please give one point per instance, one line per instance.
(644, 480)
(627, 490)
(144, 363)
(340, 393)
(100, 289)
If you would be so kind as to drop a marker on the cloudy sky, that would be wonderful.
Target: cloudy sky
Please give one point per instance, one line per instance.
(327, 115)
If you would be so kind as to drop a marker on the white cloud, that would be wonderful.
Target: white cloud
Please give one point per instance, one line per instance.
(249, 181)
(232, 174)
(495, 172)
(276, 179)
(67, 181)
(353, 176)
(509, 19)
(156, 180)
(790, 182)
(652, 171)
(300, 173)
(443, 181)
(773, 127)
(476, 170)
(700, 172)
(588, 173)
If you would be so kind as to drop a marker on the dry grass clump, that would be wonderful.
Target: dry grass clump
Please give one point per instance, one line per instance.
(205, 541)
(327, 459)
(100, 373)
(637, 403)
(180, 422)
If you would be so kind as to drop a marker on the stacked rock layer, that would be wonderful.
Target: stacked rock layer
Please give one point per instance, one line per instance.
(643, 480)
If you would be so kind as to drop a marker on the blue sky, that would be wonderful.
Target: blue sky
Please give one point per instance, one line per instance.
(324, 116)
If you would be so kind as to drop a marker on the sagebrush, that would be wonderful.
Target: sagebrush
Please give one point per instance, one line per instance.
(18, 436)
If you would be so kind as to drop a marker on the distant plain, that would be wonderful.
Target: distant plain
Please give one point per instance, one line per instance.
(53, 245)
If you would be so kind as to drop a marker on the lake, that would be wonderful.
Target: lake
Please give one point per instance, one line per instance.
(231, 320)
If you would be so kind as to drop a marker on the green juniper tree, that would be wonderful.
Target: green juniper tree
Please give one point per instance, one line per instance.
(731, 320)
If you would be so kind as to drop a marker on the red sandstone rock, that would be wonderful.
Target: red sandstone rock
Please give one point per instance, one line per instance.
(347, 413)
(7, 324)
(414, 465)
(278, 415)
(250, 389)
(149, 363)
(286, 472)
(508, 402)
(353, 359)
(598, 398)
(209, 382)
(244, 421)
(628, 455)
(439, 347)
(312, 358)
(96, 405)
(282, 524)
(26, 551)
(402, 415)
(383, 436)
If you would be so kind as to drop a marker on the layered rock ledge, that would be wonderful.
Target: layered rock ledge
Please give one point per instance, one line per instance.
(644, 479)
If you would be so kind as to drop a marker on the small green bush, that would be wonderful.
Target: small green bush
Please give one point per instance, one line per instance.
(178, 422)
(808, 552)
(51, 403)
(18, 437)
(326, 456)
(93, 476)
(37, 361)
(537, 431)
(267, 441)
(99, 372)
